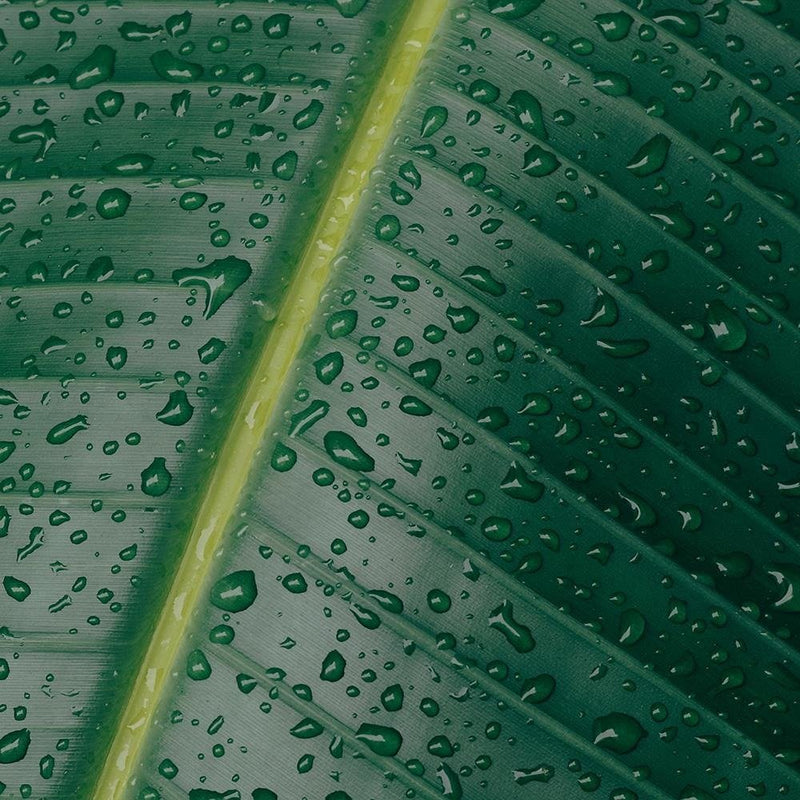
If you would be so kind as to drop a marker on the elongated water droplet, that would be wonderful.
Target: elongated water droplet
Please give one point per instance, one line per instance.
(482, 279)
(679, 22)
(542, 773)
(131, 164)
(169, 67)
(344, 450)
(623, 348)
(528, 111)
(517, 634)
(308, 116)
(380, 739)
(14, 746)
(304, 420)
(435, 118)
(513, 9)
(64, 431)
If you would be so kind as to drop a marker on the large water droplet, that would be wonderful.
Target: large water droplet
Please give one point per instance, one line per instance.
(380, 739)
(517, 634)
(235, 592)
(729, 332)
(64, 431)
(617, 732)
(14, 746)
(156, 478)
(650, 157)
(220, 279)
(177, 410)
(344, 450)
(94, 69)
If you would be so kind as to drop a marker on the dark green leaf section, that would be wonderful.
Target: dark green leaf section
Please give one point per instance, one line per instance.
(527, 527)
(162, 165)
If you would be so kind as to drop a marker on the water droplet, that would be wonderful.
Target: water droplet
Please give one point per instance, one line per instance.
(94, 69)
(380, 739)
(16, 589)
(220, 279)
(341, 323)
(539, 162)
(483, 280)
(344, 450)
(787, 578)
(305, 419)
(518, 485)
(197, 666)
(308, 116)
(169, 67)
(614, 26)
(235, 592)
(156, 478)
(283, 458)
(113, 203)
(285, 166)
(617, 732)
(14, 746)
(681, 23)
(413, 406)
(528, 111)
(295, 583)
(605, 312)
(276, 26)
(632, 627)
(435, 118)
(333, 667)
(517, 634)
(542, 773)
(623, 348)
(130, 164)
(64, 431)
(729, 332)
(177, 410)
(650, 157)
(329, 367)
(513, 9)
(538, 689)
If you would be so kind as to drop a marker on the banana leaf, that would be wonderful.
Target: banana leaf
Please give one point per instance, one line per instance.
(399, 398)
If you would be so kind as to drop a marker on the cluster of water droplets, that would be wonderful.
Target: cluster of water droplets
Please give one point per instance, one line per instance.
(162, 165)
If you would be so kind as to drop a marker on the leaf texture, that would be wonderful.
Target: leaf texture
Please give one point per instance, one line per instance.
(522, 522)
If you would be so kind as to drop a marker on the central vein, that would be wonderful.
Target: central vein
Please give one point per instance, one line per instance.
(262, 394)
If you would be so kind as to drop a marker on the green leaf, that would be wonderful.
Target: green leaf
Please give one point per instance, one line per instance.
(405, 404)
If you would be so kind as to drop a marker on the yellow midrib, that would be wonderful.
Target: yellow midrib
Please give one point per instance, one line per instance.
(262, 394)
